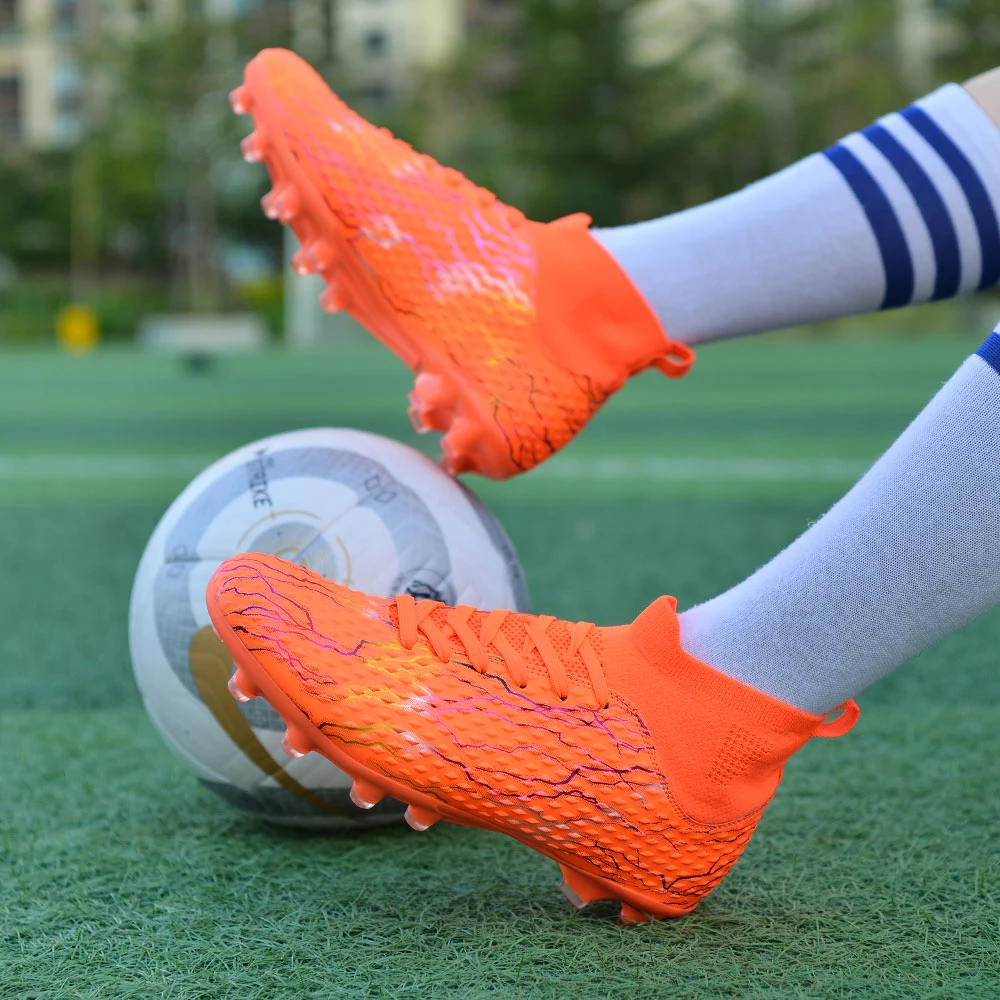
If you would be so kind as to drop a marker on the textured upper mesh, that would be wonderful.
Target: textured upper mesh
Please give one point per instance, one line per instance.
(739, 751)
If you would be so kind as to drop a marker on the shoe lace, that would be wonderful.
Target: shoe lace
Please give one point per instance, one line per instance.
(455, 179)
(415, 619)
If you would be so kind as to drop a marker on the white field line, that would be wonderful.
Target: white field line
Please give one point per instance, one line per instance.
(706, 469)
(41, 468)
(34, 468)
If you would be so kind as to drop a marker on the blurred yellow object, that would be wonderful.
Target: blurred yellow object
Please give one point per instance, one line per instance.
(77, 328)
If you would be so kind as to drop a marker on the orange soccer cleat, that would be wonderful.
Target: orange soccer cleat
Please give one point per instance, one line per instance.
(639, 769)
(517, 331)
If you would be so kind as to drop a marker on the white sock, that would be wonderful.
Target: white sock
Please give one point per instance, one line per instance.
(910, 554)
(903, 212)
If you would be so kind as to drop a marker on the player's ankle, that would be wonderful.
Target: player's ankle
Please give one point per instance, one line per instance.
(594, 321)
(727, 741)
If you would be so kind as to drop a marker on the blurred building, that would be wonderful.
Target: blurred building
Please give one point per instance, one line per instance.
(377, 44)
(39, 78)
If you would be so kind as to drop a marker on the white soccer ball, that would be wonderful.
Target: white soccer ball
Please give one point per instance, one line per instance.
(360, 509)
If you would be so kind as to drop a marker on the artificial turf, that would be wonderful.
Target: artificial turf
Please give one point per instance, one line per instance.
(874, 873)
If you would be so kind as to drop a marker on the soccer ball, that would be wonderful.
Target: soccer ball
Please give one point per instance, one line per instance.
(367, 512)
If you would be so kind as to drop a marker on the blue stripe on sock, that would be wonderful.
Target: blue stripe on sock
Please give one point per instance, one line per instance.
(990, 352)
(888, 232)
(975, 191)
(944, 239)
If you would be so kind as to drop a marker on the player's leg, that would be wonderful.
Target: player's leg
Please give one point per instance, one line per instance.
(902, 212)
(908, 555)
(639, 757)
(520, 331)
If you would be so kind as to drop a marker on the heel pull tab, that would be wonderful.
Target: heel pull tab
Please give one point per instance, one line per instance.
(677, 361)
(830, 729)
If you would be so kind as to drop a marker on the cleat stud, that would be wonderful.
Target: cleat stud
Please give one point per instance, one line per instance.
(365, 795)
(281, 204)
(288, 205)
(300, 263)
(414, 413)
(458, 445)
(269, 203)
(432, 391)
(630, 916)
(241, 687)
(456, 466)
(579, 889)
(332, 299)
(252, 147)
(432, 403)
(419, 818)
(239, 100)
(295, 743)
(318, 256)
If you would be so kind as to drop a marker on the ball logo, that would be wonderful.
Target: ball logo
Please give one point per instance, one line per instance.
(211, 668)
(258, 480)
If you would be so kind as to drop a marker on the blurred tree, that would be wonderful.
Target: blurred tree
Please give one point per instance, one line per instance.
(974, 45)
(626, 109)
(630, 108)
(171, 148)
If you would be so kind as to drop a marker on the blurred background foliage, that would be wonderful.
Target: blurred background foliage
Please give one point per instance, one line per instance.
(624, 109)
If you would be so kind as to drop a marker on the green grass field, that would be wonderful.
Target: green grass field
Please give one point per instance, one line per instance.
(876, 873)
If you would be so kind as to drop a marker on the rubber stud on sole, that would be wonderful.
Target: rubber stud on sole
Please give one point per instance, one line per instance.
(457, 446)
(241, 687)
(631, 916)
(432, 403)
(579, 889)
(318, 256)
(333, 300)
(301, 264)
(420, 819)
(364, 794)
(295, 743)
(282, 204)
(252, 147)
(239, 100)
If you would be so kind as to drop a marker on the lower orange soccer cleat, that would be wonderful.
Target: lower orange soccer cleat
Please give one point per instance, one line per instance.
(639, 769)
(517, 331)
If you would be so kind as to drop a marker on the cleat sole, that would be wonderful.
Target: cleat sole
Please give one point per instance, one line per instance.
(423, 810)
(480, 445)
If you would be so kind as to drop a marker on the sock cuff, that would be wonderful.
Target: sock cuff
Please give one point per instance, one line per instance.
(958, 112)
(990, 350)
(656, 634)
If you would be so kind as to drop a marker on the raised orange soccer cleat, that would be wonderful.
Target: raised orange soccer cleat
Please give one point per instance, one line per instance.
(517, 331)
(639, 769)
